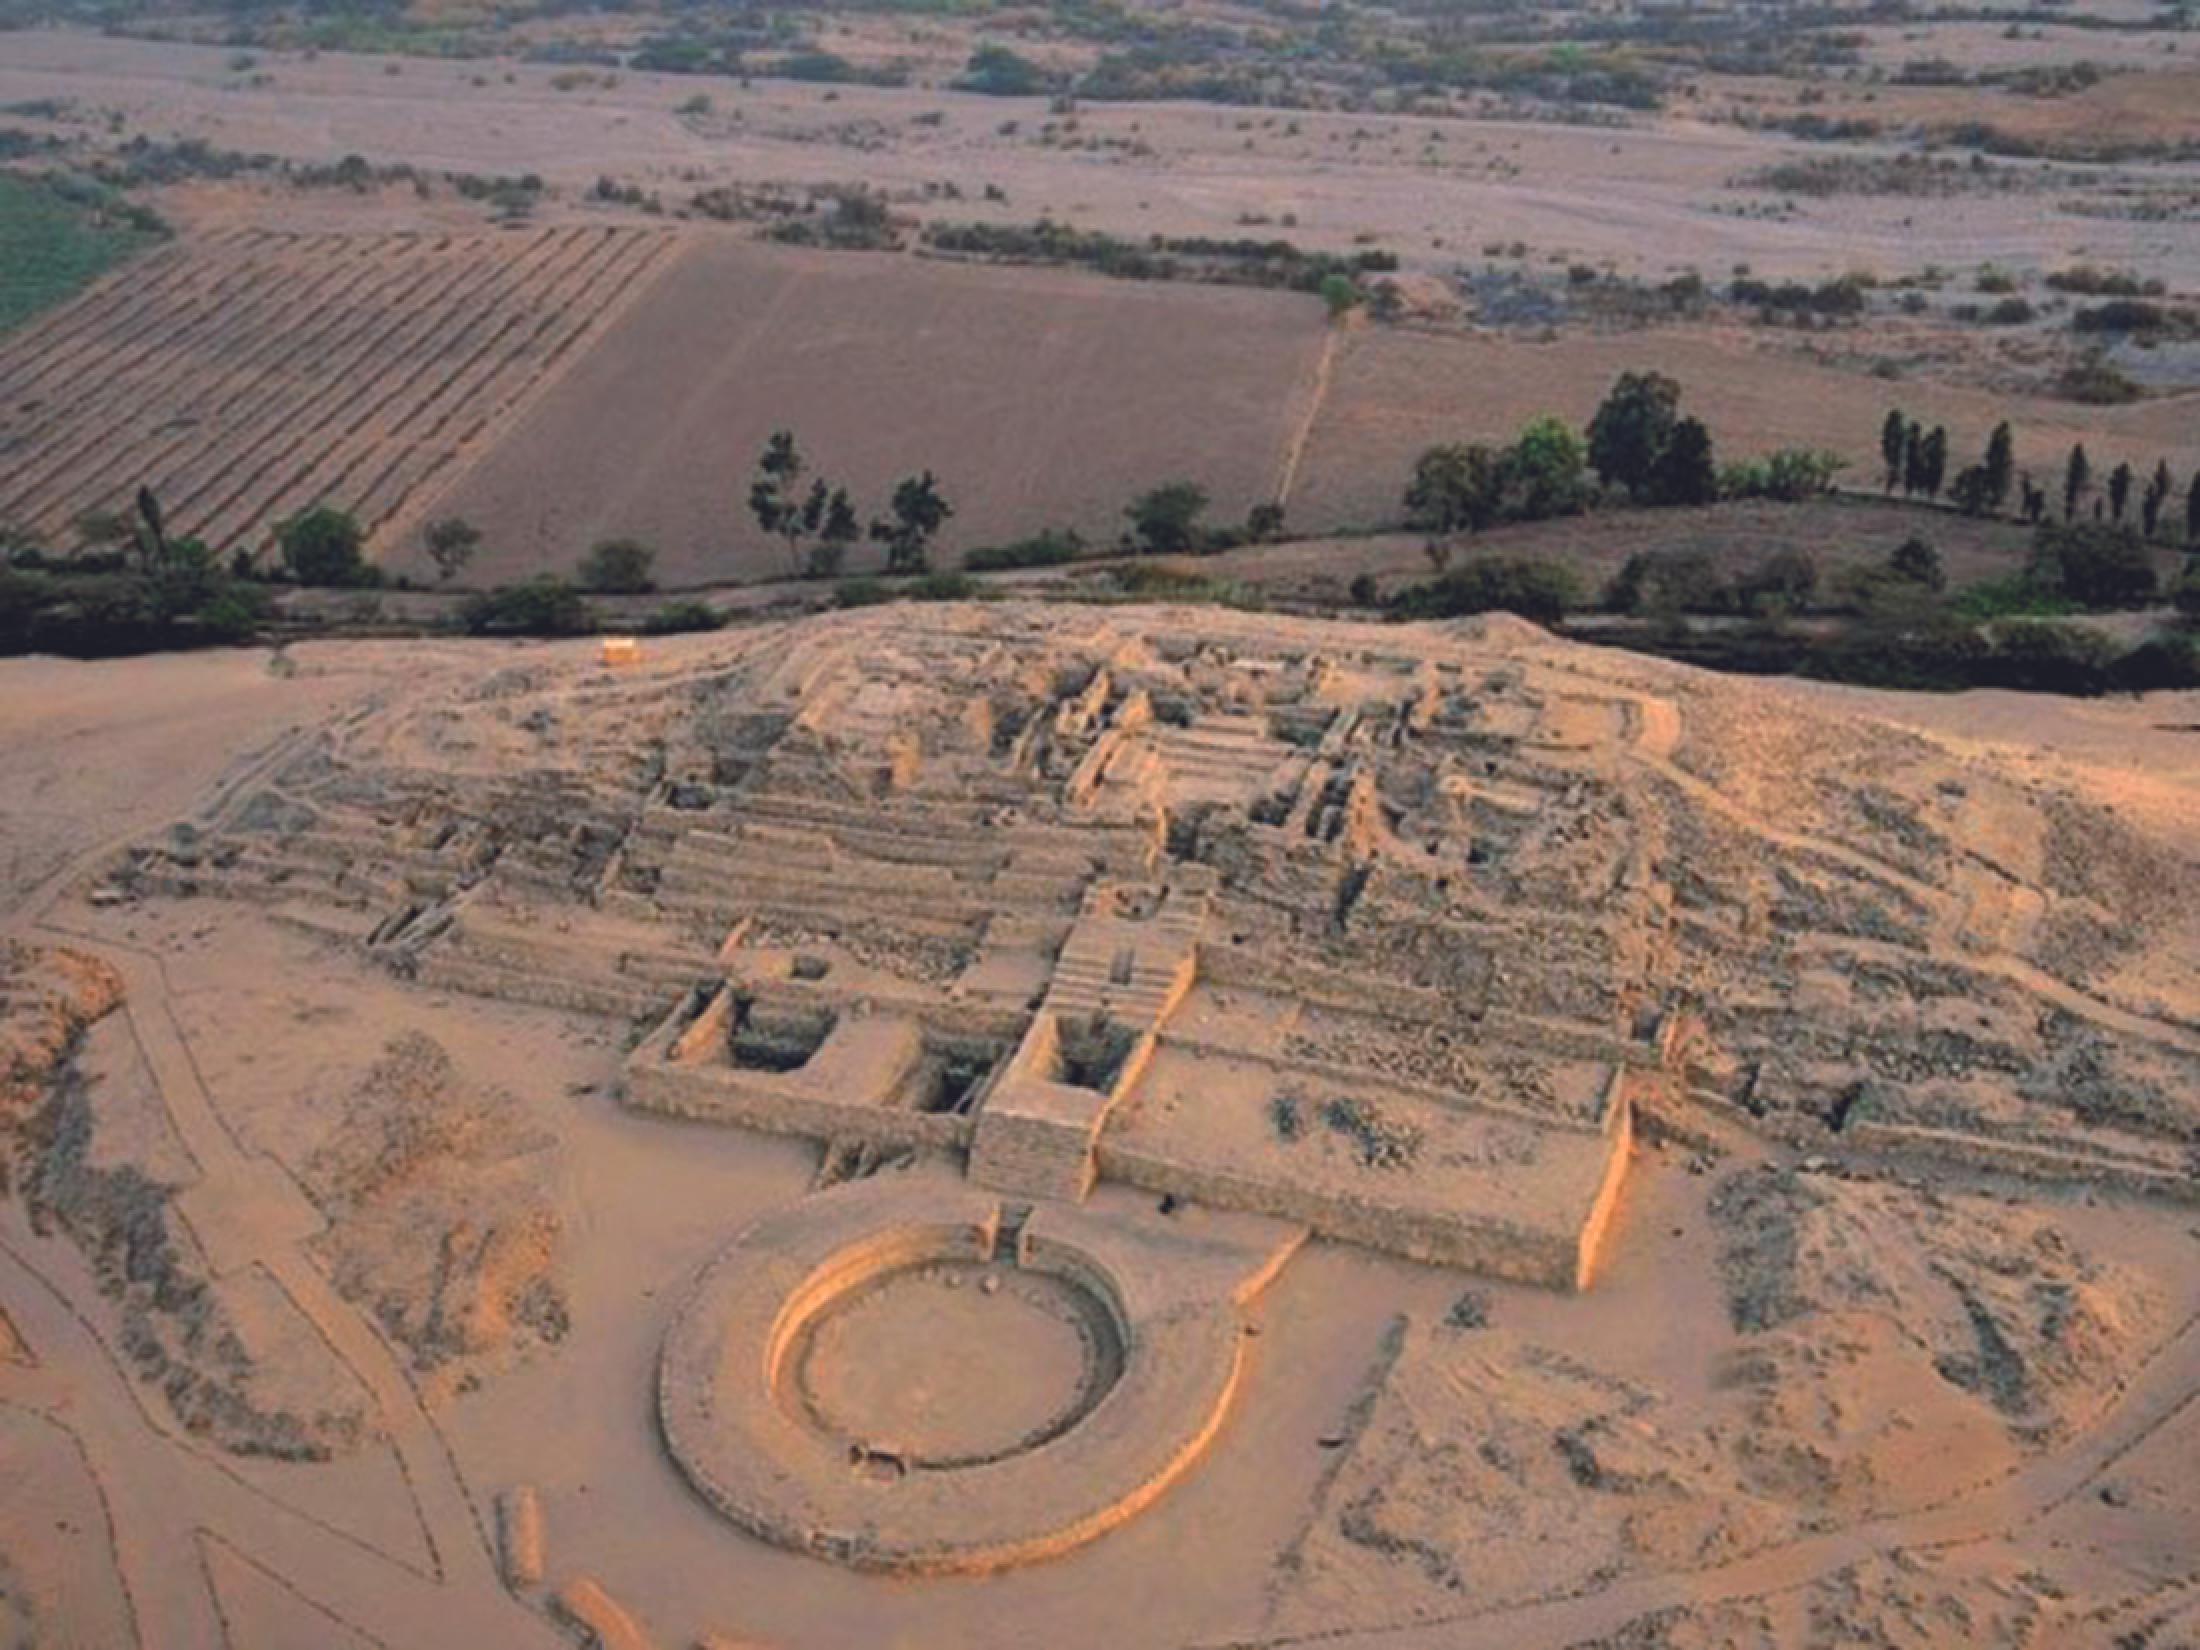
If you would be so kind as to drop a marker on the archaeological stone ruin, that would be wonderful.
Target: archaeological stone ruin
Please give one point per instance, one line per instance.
(1108, 957)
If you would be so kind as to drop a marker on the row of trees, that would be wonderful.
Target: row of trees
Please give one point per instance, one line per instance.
(822, 517)
(1639, 446)
(1915, 460)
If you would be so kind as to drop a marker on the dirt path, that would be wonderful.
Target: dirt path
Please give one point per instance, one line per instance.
(1317, 397)
(163, 1491)
(160, 1488)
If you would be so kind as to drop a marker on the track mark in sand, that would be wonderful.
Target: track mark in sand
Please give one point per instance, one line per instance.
(2164, 1388)
(1317, 397)
(1373, 1382)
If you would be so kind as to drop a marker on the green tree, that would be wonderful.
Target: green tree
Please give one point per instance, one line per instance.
(2159, 487)
(1972, 491)
(2000, 465)
(1894, 446)
(150, 534)
(1456, 488)
(2093, 564)
(2119, 492)
(1165, 521)
(2077, 478)
(775, 496)
(1932, 460)
(451, 543)
(324, 546)
(917, 513)
(1340, 293)
(1632, 428)
(618, 567)
(836, 532)
(1549, 463)
(1686, 471)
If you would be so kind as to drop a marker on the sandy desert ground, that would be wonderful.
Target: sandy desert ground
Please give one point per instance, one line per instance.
(348, 1218)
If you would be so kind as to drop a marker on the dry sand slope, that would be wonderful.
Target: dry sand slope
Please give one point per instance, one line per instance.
(381, 1090)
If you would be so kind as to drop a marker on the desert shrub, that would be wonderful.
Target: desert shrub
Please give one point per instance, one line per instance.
(2009, 312)
(1790, 475)
(1783, 581)
(1050, 548)
(2089, 281)
(674, 618)
(2120, 315)
(2012, 596)
(942, 587)
(618, 567)
(998, 72)
(1160, 582)
(1916, 562)
(544, 606)
(863, 592)
(1667, 581)
(2098, 384)
(1540, 590)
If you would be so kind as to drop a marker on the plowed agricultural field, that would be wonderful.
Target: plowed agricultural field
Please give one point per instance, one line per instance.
(1039, 397)
(249, 375)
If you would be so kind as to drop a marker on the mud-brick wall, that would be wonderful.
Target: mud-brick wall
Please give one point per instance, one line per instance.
(721, 1096)
(1032, 1156)
(1465, 1241)
(2017, 1158)
(456, 972)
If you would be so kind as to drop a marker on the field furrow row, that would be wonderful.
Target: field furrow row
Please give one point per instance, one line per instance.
(148, 280)
(257, 374)
(249, 375)
(264, 489)
(168, 395)
(115, 349)
(416, 466)
(432, 296)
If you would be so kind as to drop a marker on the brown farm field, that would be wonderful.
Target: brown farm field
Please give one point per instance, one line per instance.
(246, 376)
(563, 384)
(1040, 399)
(1393, 393)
